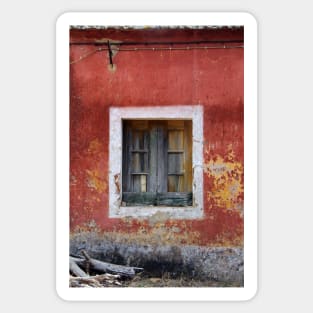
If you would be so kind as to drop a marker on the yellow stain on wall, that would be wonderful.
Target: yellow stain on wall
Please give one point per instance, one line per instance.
(95, 181)
(95, 146)
(226, 177)
(95, 178)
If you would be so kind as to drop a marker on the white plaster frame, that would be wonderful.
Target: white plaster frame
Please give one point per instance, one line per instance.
(179, 112)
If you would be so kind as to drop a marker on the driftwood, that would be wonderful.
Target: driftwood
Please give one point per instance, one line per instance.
(82, 266)
(75, 269)
(104, 267)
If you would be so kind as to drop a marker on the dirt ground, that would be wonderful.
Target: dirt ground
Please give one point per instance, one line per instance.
(108, 280)
(139, 281)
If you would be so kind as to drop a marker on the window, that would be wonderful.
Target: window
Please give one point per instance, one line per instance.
(155, 161)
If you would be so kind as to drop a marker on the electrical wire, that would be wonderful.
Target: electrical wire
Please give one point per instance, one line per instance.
(156, 49)
(133, 43)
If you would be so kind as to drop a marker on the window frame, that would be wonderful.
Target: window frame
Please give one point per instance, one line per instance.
(180, 112)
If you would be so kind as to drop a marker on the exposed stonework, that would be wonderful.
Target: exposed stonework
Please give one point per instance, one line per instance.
(213, 263)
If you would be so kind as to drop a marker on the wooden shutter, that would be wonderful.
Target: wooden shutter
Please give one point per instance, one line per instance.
(179, 164)
(157, 163)
(179, 156)
(136, 156)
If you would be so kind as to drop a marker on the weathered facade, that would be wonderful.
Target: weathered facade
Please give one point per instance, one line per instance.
(163, 67)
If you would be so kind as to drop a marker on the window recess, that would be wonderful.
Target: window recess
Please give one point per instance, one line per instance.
(157, 163)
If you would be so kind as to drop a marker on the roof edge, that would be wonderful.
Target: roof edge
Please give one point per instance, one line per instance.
(144, 27)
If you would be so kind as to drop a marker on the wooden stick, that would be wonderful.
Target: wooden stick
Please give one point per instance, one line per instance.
(76, 270)
(105, 267)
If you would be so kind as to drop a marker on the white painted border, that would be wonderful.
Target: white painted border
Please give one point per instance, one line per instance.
(250, 156)
(186, 112)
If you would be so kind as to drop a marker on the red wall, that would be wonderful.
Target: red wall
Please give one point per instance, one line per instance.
(212, 78)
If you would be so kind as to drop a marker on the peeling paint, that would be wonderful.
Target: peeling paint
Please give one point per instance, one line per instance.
(226, 177)
(117, 183)
(158, 217)
(95, 181)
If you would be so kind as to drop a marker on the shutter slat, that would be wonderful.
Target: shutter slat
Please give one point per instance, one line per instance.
(188, 156)
(176, 158)
(159, 199)
(127, 158)
(139, 198)
(162, 157)
(152, 181)
(174, 198)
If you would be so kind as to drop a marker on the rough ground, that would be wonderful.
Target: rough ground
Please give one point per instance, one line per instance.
(177, 282)
(164, 281)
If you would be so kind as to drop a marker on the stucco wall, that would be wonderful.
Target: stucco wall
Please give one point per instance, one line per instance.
(212, 78)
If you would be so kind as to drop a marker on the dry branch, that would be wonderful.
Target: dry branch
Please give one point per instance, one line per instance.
(104, 267)
(80, 267)
(75, 269)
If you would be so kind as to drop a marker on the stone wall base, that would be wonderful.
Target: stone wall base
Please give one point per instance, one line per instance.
(223, 264)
